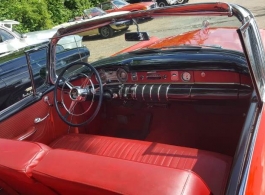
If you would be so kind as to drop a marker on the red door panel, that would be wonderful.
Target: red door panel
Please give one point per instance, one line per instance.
(21, 126)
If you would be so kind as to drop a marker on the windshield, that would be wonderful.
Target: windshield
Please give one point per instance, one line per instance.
(217, 32)
(92, 12)
(120, 3)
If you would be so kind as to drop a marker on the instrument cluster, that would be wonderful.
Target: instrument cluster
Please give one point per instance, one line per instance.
(113, 76)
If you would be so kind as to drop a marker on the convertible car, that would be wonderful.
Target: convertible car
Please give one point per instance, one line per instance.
(11, 40)
(121, 5)
(172, 110)
(106, 31)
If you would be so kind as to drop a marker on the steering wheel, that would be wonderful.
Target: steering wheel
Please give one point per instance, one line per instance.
(77, 92)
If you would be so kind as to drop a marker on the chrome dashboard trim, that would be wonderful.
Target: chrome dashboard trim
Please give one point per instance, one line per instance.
(143, 92)
(120, 91)
(167, 91)
(151, 92)
(215, 83)
(134, 92)
(158, 92)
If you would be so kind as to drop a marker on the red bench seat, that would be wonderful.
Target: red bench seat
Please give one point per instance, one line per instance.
(212, 167)
(71, 172)
(17, 159)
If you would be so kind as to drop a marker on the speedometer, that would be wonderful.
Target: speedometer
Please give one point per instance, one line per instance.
(102, 75)
(186, 76)
(122, 75)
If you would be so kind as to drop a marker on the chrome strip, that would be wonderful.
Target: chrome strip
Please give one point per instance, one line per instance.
(158, 91)
(177, 83)
(245, 85)
(120, 92)
(15, 105)
(151, 92)
(143, 92)
(134, 92)
(214, 83)
(243, 184)
(167, 92)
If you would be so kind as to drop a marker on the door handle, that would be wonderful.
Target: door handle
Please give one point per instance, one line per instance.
(38, 120)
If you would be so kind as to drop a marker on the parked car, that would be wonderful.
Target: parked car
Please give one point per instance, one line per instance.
(106, 31)
(163, 3)
(11, 40)
(15, 81)
(172, 110)
(121, 5)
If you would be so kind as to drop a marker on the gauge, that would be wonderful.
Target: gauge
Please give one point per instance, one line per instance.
(186, 76)
(122, 75)
(102, 75)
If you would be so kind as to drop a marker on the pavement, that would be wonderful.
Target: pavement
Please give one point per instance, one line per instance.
(100, 48)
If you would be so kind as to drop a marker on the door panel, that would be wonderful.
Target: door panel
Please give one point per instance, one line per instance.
(22, 123)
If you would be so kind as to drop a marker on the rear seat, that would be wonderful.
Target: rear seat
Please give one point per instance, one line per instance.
(212, 167)
(17, 159)
(71, 172)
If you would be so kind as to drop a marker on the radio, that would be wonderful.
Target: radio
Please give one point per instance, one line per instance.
(153, 76)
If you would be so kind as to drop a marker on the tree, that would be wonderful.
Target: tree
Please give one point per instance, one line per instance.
(32, 14)
(42, 14)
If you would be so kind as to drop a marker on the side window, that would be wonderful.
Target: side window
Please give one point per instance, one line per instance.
(38, 60)
(5, 35)
(107, 6)
(15, 83)
(15, 80)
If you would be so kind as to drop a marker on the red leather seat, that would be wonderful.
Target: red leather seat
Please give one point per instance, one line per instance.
(212, 167)
(17, 159)
(81, 173)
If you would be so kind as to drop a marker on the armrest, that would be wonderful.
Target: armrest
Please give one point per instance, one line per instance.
(27, 134)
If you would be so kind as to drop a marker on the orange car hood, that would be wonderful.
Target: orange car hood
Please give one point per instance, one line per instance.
(137, 6)
(224, 37)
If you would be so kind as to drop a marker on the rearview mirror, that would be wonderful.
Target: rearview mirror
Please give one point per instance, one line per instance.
(136, 36)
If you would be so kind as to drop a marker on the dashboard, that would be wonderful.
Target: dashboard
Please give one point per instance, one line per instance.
(167, 85)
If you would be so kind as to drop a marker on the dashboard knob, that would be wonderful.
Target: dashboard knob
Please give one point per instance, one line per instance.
(115, 95)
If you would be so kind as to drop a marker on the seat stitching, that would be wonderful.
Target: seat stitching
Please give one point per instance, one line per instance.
(91, 143)
(123, 150)
(133, 153)
(179, 159)
(136, 153)
(141, 157)
(184, 165)
(157, 156)
(169, 165)
(185, 185)
(107, 148)
(165, 157)
(101, 147)
(121, 144)
(113, 148)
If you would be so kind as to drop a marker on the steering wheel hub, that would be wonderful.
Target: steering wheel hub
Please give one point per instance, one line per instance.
(78, 94)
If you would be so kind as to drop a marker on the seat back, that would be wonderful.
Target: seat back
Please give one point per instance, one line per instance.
(17, 159)
(81, 173)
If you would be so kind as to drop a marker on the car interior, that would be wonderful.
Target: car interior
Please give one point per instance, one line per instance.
(173, 122)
